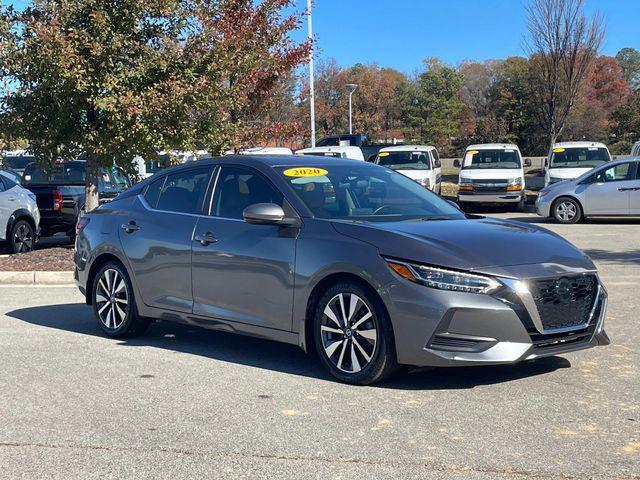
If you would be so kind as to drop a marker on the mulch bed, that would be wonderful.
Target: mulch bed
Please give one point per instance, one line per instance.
(56, 259)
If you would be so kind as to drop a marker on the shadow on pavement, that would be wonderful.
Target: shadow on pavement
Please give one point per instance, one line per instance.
(270, 355)
(625, 257)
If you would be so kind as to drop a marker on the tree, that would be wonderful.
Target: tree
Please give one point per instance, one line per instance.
(117, 79)
(629, 60)
(432, 104)
(563, 44)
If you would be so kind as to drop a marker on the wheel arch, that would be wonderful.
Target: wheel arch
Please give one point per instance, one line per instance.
(20, 214)
(306, 327)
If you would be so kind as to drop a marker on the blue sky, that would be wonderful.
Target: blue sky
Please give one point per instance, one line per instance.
(402, 33)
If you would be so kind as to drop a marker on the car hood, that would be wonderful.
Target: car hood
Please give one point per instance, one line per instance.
(498, 247)
(414, 174)
(568, 173)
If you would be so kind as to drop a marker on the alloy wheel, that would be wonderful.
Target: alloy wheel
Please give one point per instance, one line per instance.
(566, 211)
(112, 298)
(349, 332)
(23, 239)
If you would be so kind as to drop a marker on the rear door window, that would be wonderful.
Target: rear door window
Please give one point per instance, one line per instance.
(184, 191)
(153, 191)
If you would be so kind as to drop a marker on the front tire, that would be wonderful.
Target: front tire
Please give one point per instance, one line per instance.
(566, 210)
(114, 304)
(22, 237)
(353, 335)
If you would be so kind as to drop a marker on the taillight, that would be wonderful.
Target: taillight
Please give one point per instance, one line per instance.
(57, 201)
(81, 223)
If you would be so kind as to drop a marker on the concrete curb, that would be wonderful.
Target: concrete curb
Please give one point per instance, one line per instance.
(36, 278)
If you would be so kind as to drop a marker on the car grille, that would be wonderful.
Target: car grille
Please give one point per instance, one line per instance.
(490, 185)
(565, 302)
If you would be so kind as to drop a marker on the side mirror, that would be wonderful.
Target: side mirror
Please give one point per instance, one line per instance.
(527, 162)
(438, 164)
(267, 214)
(546, 162)
(456, 163)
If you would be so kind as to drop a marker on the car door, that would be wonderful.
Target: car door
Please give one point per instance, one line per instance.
(609, 192)
(156, 236)
(437, 169)
(634, 194)
(243, 272)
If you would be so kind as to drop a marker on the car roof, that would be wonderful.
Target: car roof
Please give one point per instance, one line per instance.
(336, 148)
(493, 146)
(408, 148)
(582, 144)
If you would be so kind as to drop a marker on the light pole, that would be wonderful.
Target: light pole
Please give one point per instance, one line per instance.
(352, 88)
(312, 96)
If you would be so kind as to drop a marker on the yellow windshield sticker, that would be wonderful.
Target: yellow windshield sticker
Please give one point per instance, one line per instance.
(473, 152)
(305, 172)
(558, 150)
(383, 154)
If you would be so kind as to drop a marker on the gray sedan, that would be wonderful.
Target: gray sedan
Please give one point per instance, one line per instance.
(607, 191)
(347, 259)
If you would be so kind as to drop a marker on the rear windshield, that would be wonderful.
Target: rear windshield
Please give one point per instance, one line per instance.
(584, 157)
(18, 162)
(66, 174)
(491, 159)
(404, 160)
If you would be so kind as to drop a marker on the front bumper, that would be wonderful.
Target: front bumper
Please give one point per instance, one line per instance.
(443, 328)
(543, 207)
(511, 197)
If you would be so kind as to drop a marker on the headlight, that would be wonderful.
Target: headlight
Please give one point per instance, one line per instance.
(425, 183)
(543, 193)
(514, 184)
(555, 179)
(443, 279)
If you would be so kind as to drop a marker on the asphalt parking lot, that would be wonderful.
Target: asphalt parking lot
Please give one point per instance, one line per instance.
(182, 402)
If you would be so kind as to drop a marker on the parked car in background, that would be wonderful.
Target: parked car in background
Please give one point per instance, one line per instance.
(19, 215)
(491, 173)
(60, 193)
(569, 160)
(262, 151)
(348, 259)
(369, 150)
(418, 162)
(353, 153)
(17, 160)
(167, 159)
(635, 150)
(609, 190)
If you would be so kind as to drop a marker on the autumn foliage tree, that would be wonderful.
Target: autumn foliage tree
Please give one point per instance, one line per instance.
(117, 79)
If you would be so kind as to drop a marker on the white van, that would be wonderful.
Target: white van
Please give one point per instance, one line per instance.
(491, 173)
(569, 160)
(353, 153)
(418, 162)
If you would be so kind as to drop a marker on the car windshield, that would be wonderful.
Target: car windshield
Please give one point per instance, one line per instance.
(365, 193)
(583, 157)
(491, 159)
(404, 160)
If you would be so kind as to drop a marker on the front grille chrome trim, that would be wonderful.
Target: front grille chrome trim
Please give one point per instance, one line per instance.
(526, 297)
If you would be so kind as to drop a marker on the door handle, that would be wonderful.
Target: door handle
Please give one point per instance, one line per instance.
(205, 239)
(12, 199)
(130, 227)
(626, 189)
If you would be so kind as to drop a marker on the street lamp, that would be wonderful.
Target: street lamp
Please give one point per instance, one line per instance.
(312, 99)
(352, 88)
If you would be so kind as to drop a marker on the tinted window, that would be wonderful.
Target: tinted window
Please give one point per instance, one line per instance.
(184, 191)
(618, 173)
(366, 192)
(2, 187)
(61, 173)
(238, 188)
(19, 162)
(153, 192)
(9, 180)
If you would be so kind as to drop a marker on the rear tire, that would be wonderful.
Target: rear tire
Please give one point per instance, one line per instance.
(566, 210)
(114, 303)
(22, 238)
(353, 335)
